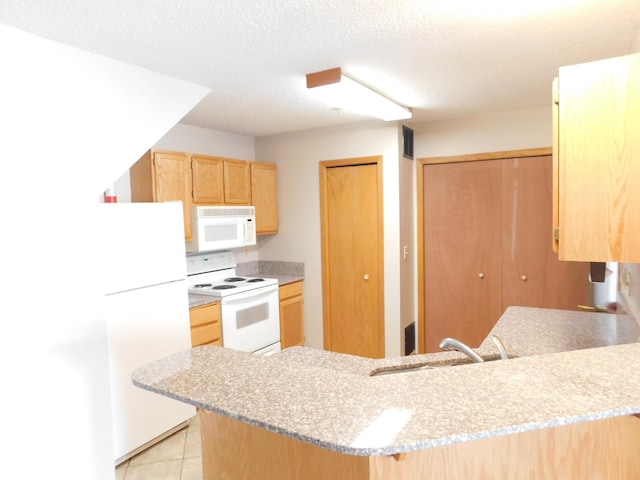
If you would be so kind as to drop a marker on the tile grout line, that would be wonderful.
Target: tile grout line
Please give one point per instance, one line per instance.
(184, 449)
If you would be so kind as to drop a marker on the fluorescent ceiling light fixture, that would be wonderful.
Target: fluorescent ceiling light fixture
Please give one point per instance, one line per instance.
(345, 93)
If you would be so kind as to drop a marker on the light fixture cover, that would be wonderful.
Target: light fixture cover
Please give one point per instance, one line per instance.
(340, 91)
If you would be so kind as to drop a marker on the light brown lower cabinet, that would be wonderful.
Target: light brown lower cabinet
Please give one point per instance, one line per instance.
(206, 326)
(597, 449)
(291, 315)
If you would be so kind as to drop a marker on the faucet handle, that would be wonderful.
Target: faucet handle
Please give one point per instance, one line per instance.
(498, 343)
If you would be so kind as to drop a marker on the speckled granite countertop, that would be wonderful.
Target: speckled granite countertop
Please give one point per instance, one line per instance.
(196, 300)
(284, 272)
(571, 367)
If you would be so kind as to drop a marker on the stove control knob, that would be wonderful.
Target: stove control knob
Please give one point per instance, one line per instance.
(366, 276)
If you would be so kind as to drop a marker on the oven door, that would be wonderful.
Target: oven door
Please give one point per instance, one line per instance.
(270, 350)
(251, 320)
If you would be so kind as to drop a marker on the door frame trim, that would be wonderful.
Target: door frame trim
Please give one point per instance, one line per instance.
(420, 164)
(326, 314)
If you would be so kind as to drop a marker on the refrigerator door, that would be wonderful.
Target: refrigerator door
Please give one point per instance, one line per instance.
(147, 314)
(144, 325)
(144, 244)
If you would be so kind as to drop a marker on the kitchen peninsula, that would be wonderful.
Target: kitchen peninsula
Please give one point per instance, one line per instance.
(562, 408)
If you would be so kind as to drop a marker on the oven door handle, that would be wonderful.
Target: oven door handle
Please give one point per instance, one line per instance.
(252, 295)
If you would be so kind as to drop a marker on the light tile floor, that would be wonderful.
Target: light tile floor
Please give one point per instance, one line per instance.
(178, 457)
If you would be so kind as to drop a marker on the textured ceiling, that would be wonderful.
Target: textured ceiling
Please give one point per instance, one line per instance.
(444, 58)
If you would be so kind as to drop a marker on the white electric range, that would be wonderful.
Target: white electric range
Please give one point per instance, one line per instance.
(249, 305)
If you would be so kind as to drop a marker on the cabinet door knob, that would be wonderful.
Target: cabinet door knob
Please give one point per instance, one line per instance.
(366, 276)
(481, 275)
(524, 278)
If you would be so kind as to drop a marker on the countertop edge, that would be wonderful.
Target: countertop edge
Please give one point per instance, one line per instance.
(585, 370)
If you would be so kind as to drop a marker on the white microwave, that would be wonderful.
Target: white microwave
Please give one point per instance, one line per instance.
(221, 227)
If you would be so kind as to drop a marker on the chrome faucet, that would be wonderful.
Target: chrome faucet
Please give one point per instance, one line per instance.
(498, 343)
(453, 344)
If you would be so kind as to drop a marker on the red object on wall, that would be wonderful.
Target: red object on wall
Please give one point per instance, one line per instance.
(110, 195)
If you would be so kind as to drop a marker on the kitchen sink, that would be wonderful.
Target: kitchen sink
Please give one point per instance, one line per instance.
(414, 367)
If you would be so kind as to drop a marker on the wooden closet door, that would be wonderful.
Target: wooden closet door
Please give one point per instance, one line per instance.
(533, 275)
(463, 252)
(352, 251)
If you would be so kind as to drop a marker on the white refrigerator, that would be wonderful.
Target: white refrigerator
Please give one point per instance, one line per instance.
(147, 315)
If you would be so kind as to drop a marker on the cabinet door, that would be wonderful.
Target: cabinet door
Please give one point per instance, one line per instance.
(172, 177)
(141, 179)
(463, 252)
(264, 196)
(532, 274)
(599, 167)
(237, 182)
(207, 178)
(291, 315)
(206, 328)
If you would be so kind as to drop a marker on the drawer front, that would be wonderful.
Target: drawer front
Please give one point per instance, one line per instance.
(290, 290)
(205, 314)
(209, 333)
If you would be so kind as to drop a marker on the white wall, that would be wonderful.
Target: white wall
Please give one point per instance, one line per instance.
(512, 130)
(635, 46)
(188, 138)
(407, 254)
(298, 240)
(70, 121)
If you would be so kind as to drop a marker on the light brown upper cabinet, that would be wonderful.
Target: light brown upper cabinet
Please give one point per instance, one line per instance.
(597, 160)
(195, 179)
(161, 176)
(237, 182)
(208, 180)
(264, 196)
(485, 245)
